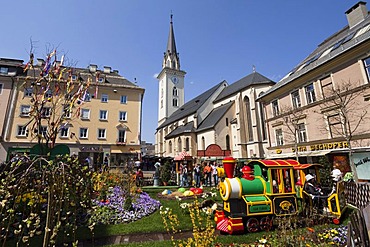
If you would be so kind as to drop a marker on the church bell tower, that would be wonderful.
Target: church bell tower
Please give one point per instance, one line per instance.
(171, 80)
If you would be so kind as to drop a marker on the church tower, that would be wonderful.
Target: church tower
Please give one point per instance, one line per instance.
(171, 80)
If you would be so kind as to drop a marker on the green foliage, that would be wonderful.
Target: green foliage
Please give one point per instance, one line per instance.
(38, 193)
(165, 172)
(325, 179)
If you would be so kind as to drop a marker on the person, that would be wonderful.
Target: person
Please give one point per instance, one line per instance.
(207, 172)
(336, 175)
(157, 165)
(184, 181)
(139, 178)
(214, 173)
(315, 192)
(197, 174)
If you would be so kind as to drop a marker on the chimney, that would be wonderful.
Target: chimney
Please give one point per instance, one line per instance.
(40, 62)
(93, 68)
(107, 69)
(356, 14)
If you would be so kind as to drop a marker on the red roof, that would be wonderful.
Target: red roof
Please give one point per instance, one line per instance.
(278, 163)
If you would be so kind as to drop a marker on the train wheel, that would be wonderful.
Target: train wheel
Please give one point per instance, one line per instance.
(252, 225)
(266, 224)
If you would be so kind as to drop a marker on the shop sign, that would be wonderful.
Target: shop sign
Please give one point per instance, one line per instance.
(322, 146)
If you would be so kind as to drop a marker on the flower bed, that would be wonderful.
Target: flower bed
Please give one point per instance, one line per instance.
(121, 207)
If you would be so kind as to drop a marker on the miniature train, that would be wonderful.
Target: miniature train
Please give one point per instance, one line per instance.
(268, 188)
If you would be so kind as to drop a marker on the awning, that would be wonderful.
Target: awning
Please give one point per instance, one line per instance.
(183, 156)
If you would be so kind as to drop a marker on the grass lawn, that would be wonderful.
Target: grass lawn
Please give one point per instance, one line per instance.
(153, 223)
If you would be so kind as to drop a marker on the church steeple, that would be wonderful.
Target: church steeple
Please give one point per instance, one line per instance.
(171, 81)
(171, 57)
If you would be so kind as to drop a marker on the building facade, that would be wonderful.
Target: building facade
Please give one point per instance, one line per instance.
(225, 118)
(104, 124)
(320, 107)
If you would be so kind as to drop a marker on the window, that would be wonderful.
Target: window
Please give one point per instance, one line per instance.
(3, 70)
(228, 142)
(203, 143)
(104, 98)
(367, 67)
(327, 87)
(48, 94)
(279, 137)
(296, 100)
(101, 133)
(64, 131)
(25, 110)
(103, 115)
(83, 132)
(123, 99)
(175, 92)
(263, 129)
(335, 125)
(275, 108)
(302, 136)
(310, 93)
(170, 146)
(248, 118)
(66, 112)
(122, 116)
(22, 131)
(179, 145)
(28, 92)
(227, 121)
(187, 144)
(85, 113)
(122, 136)
(87, 97)
(45, 112)
(101, 79)
(174, 102)
(74, 77)
(43, 130)
(1, 88)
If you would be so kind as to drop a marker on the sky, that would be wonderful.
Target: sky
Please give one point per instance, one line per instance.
(217, 39)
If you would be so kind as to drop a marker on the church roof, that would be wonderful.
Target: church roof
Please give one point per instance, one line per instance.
(252, 79)
(214, 117)
(187, 128)
(190, 107)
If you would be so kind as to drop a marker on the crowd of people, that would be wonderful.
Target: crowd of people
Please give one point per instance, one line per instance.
(204, 174)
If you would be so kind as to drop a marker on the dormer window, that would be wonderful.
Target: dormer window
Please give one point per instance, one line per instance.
(74, 77)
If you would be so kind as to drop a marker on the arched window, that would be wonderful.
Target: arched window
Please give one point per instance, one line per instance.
(179, 145)
(187, 144)
(175, 102)
(175, 92)
(203, 143)
(248, 118)
(262, 115)
(228, 142)
(170, 146)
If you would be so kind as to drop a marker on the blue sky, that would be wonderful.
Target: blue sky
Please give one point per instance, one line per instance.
(217, 40)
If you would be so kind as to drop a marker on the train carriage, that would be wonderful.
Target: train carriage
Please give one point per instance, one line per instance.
(267, 188)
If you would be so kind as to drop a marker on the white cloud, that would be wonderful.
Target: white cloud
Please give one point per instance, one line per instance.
(155, 75)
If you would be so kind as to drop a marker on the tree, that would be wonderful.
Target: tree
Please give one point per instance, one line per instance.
(344, 114)
(293, 131)
(57, 94)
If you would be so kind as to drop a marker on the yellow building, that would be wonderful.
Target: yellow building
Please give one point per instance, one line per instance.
(103, 125)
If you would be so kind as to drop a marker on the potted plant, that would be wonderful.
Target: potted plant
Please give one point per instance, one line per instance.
(165, 173)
